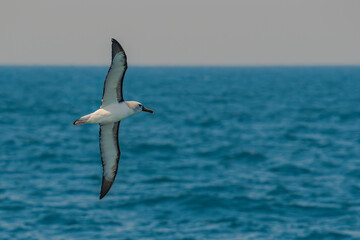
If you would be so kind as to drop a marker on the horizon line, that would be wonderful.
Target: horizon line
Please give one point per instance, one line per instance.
(182, 65)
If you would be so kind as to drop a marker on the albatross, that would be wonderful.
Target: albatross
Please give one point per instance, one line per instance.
(112, 110)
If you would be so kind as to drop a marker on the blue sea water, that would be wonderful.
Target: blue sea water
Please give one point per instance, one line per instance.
(230, 153)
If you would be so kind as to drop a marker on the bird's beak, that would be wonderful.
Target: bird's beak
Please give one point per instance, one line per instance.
(147, 110)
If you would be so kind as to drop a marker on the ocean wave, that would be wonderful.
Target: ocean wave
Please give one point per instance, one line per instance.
(290, 169)
(245, 156)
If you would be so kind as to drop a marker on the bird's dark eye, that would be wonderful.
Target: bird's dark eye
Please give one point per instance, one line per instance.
(140, 105)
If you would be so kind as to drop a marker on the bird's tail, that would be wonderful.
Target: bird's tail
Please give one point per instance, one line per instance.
(81, 121)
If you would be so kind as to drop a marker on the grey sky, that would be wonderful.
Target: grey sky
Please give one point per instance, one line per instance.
(164, 32)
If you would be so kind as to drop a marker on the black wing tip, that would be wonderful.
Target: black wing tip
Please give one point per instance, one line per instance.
(116, 46)
(105, 187)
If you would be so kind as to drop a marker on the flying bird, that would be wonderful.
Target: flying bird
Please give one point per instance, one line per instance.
(113, 109)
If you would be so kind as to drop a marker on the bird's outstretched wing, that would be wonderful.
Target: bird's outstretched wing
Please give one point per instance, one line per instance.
(115, 76)
(110, 154)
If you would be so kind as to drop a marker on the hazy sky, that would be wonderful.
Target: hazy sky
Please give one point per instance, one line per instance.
(165, 32)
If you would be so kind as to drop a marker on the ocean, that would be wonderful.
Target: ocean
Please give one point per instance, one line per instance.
(230, 153)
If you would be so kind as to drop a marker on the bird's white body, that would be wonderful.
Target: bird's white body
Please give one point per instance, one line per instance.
(109, 114)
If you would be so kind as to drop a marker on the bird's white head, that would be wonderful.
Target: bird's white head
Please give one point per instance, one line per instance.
(138, 107)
